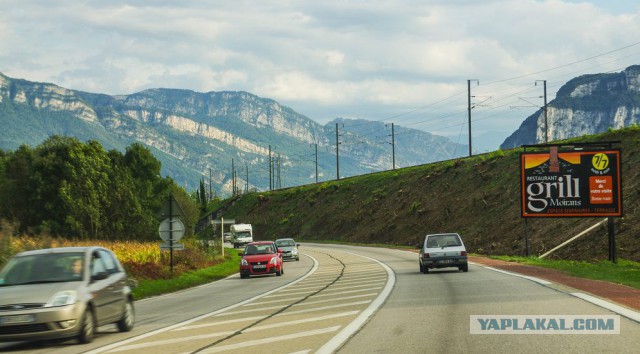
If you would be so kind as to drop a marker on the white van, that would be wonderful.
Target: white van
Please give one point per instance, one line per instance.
(241, 234)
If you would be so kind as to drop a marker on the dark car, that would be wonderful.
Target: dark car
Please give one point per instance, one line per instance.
(289, 248)
(62, 293)
(442, 251)
(260, 258)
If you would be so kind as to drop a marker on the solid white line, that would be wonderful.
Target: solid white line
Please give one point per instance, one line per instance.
(183, 323)
(623, 311)
(271, 340)
(537, 280)
(354, 326)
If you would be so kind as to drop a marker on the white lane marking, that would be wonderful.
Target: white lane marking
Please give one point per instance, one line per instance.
(633, 315)
(331, 291)
(537, 280)
(354, 326)
(271, 340)
(198, 318)
(345, 292)
(243, 319)
(295, 312)
(623, 311)
(227, 333)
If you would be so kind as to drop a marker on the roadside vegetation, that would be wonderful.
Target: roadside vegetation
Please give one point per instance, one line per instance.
(148, 267)
(624, 272)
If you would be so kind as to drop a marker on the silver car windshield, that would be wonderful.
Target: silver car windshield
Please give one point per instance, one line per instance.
(442, 241)
(43, 268)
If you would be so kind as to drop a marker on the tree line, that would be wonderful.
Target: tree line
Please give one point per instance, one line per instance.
(65, 187)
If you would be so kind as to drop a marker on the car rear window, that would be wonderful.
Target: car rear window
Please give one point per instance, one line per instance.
(436, 241)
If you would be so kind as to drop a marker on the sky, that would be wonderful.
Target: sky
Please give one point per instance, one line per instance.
(402, 62)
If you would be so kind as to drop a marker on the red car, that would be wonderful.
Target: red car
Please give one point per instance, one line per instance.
(259, 258)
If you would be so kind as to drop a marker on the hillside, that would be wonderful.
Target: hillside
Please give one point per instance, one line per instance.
(477, 197)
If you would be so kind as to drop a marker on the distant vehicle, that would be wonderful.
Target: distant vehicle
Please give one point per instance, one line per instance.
(228, 237)
(442, 251)
(63, 293)
(241, 234)
(260, 258)
(289, 248)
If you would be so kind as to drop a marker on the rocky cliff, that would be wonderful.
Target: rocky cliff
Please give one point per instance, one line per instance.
(585, 105)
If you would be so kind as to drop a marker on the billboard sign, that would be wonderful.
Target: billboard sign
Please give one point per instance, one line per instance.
(571, 184)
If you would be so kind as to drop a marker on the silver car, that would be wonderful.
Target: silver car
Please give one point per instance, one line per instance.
(442, 251)
(289, 248)
(63, 293)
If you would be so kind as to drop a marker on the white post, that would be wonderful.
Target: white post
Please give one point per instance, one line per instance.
(222, 236)
(572, 239)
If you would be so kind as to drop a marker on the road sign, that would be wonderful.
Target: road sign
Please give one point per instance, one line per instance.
(171, 208)
(225, 222)
(175, 246)
(171, 229)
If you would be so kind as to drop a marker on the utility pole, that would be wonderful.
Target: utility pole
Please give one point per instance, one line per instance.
(270, 182)
(337, 154)
(246, 186)
(233, 178)
(546, 122)
(469, 110)
(393, 146)
(316, 162)
(278, 166)
(210, 194)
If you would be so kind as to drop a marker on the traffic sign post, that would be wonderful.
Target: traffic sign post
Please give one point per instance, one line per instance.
(222, 222)
(171, 229)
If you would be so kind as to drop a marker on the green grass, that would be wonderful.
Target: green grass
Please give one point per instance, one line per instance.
(148, 288)
(624, 272)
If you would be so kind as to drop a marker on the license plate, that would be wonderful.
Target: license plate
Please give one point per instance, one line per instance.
(259, 266)
(445, 261)
(17, 319)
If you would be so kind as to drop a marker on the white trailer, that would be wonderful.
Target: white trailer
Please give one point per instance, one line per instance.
(241, 234)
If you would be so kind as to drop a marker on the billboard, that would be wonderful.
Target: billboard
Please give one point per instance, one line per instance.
(571, 184)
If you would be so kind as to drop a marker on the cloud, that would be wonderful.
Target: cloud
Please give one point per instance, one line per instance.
(378, 60)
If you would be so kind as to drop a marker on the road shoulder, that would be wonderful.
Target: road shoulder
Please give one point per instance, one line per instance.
(620, 294)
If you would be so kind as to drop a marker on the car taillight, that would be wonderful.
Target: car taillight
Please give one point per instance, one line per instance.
(463, 253)
(426, 255)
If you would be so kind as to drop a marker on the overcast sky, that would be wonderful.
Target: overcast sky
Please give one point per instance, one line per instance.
(401, 62)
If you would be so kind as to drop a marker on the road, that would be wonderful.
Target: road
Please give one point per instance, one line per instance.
(351, 300)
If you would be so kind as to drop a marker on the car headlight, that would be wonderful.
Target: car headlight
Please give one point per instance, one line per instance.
(274, 261)
(244, 262)
(62, 298)
(294, 251)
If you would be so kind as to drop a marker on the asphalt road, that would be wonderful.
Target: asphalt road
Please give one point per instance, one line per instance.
(329, 301)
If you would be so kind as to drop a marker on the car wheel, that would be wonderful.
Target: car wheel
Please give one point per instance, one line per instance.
(279, 272)
(125, 324)
(464, 268)
(243, 276)
(87, 327)
(421, 267)
(425, 270)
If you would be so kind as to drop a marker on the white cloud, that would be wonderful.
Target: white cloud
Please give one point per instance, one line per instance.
(380, 60)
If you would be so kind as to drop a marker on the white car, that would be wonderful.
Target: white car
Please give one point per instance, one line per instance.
(228, 236)
(442, 251)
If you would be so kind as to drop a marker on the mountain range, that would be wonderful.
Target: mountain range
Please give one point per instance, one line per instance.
(226, 138)
(234, 139)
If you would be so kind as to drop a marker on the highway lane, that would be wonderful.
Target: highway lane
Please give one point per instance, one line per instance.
(162, 311)
(430, 313)
(325, 303)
